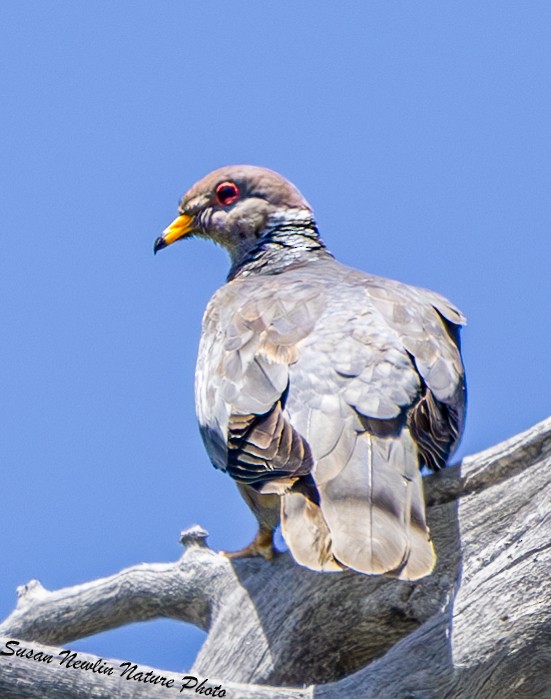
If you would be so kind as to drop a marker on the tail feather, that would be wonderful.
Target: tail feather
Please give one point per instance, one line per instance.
(306, 533)
(371, 515)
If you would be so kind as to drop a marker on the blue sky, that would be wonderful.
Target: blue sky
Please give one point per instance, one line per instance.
(420, 134)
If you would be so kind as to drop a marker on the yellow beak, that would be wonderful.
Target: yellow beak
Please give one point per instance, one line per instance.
(181, 226)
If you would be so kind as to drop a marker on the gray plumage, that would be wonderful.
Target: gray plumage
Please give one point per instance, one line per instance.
(320, 389)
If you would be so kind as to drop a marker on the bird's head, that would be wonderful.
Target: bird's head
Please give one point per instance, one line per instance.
(237, 206)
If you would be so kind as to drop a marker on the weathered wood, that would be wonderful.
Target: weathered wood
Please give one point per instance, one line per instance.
(480, 626)
(24, 678)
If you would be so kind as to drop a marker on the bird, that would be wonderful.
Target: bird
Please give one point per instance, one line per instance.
(322, 390)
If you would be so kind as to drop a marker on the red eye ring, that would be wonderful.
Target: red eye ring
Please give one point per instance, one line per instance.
(227, 193)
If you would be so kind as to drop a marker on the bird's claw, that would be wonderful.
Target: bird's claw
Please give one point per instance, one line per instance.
(262, 545)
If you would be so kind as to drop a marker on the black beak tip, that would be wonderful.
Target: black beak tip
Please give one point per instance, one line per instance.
(158, 245)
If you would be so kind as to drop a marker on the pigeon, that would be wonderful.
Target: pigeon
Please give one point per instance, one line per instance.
(323, 391)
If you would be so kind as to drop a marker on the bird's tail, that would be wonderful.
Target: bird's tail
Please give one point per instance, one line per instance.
(371, 516)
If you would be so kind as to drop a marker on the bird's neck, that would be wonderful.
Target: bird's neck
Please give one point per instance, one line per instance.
(287, 240)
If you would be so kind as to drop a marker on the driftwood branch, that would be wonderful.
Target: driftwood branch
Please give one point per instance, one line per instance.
(480, 626)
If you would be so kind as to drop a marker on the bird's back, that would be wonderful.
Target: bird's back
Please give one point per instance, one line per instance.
(368, 372)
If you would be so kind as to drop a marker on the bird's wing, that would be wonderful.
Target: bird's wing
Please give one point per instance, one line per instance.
(428, 327)
(378, 390)
(252, 330)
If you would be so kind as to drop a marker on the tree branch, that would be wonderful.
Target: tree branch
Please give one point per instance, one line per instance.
(147, 591)
(481, 624)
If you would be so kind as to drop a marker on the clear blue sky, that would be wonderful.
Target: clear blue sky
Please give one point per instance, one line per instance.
(418, 131)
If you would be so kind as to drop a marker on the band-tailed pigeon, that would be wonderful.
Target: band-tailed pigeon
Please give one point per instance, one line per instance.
(320, 389)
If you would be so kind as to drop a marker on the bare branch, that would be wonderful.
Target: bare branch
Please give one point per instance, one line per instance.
(147, 591)
(65, 675)
(480, 625)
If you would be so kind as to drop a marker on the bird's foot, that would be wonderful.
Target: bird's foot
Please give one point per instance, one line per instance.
(261, 545)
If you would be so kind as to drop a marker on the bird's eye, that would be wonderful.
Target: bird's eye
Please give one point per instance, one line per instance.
(227, 193)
